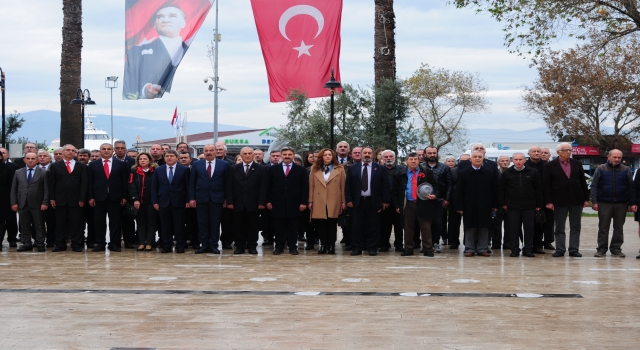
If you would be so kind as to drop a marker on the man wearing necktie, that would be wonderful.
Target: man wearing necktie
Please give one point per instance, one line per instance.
(30, 198)
(367, 191)
(44, 162)
(206, 194)
(69, 184)
(107, 194)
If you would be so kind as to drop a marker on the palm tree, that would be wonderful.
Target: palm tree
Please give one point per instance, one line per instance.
(71, 128)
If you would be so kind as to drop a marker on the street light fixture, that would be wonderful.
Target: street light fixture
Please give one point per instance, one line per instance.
(4, 127)
(80, 100)
(332, 85)
(111, 83)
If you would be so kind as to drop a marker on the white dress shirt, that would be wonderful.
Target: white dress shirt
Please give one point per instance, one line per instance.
(366, 193)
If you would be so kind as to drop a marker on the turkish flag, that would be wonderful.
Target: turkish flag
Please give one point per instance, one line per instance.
(300, 43)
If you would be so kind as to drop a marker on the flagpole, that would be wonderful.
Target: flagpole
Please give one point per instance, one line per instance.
(178, 128)
(215, 80)
(185, 129)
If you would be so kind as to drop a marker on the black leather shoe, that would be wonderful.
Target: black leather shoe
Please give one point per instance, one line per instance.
(356, 252)
(407, 252)
(557, 254)
(399, 249)
(25, 248)
(115, 248)
(309, 247)
(514, 254)
(373, 252)
(42, 249)
(252, 251)
(539, 251)
(202, 250)
(129, 246)
(638, 257)
(165, 250)
(331, 250)
(278, 251)
(58, 249)
(238, 251)
(293, 251)
(528, 254)
(429, 254)
(575, 254)
(549, 246)
(98, 248)
(383, 250)
(227, 246)
(215, 250)
(76, 249)
(180, 250)
(348, 247)
(323, 250)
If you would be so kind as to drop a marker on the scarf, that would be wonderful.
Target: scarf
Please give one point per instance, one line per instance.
(143, 174)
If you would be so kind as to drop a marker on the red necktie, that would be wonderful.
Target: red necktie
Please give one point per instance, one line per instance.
(68, 167)
(209, 170)
(286, 173)
(414, 185)
(106, 168)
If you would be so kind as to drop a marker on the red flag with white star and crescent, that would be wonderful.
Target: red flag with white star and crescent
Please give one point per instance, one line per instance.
(300, 43)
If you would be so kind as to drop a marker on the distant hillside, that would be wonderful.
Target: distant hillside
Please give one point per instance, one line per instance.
(45, 125)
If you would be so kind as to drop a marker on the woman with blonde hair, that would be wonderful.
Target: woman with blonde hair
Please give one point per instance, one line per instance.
(326, 198)
(140, 195)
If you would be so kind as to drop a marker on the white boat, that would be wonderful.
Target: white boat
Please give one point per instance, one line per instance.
(93, 137)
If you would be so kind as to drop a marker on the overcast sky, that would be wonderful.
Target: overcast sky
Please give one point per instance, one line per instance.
(427, 31)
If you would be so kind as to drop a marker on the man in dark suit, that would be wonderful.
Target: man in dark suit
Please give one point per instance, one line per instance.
(566, 193)
(169, 190)
(226, 223)
(390, 218)
(246, 195)
(487, 164)
(107, 194)
(150, 67)
(68, 190)
(287, 199)
(367, 191)
(127, 222)
(206, 194)
(44, 162)
(30, 198)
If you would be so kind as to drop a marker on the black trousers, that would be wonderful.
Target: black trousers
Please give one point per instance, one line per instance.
(327, 230)
(500, 221)
(87, 210)
(310, 228)
(226, 235)
(246, 228)
(209, 215)
(437, 225)
(266, 226)
(391, 219)
(128, 227)
(68, 219)
(347, 231)
(10, 225)
(549, 226)
(147, 219)
(286, 230)
(172, 219)
(366, 226)
(105, 208)
(521, 220)
(455, 220)
(191, 227)
(50, 222)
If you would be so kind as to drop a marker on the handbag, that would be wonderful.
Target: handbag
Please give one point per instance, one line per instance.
(540, 218)
(130, 210)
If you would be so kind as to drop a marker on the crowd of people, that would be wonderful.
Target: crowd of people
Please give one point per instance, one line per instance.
(166, 199)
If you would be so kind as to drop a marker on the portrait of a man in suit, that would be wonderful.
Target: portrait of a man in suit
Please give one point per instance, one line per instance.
(150, 67)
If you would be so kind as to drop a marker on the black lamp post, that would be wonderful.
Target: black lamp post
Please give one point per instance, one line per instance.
(4, 126)
(332, 85)
(80, 100)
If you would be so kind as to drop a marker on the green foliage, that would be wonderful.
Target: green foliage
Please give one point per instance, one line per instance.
(357, 121)
(534, 24)
(12, 123)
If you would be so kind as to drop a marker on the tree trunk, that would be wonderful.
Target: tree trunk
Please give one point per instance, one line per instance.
(384, 41)
(71, 128)
(385, 69)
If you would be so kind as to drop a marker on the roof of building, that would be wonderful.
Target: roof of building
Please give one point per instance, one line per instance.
(203, 136)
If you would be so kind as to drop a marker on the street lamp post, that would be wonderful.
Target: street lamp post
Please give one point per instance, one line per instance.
(80, 100)
(111, 83)
(332, 85)
(4, 126)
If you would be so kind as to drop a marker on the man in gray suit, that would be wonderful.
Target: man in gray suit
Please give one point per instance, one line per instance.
(30, 198)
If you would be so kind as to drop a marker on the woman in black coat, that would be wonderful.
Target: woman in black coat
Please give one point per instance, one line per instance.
(140, 196)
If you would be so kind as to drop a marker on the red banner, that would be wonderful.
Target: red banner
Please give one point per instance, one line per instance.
(300, 44)
(585, 151)
(158, 34)
(635, 148)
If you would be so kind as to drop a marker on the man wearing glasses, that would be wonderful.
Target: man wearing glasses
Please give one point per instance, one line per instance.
(565, 192)
(19, 162)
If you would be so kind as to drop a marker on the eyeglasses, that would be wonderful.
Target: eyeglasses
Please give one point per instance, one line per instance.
(29, 146)
(565, 150)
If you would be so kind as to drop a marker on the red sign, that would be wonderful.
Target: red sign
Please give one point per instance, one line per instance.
(586, 151)
(635, 148)
(300, 44)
